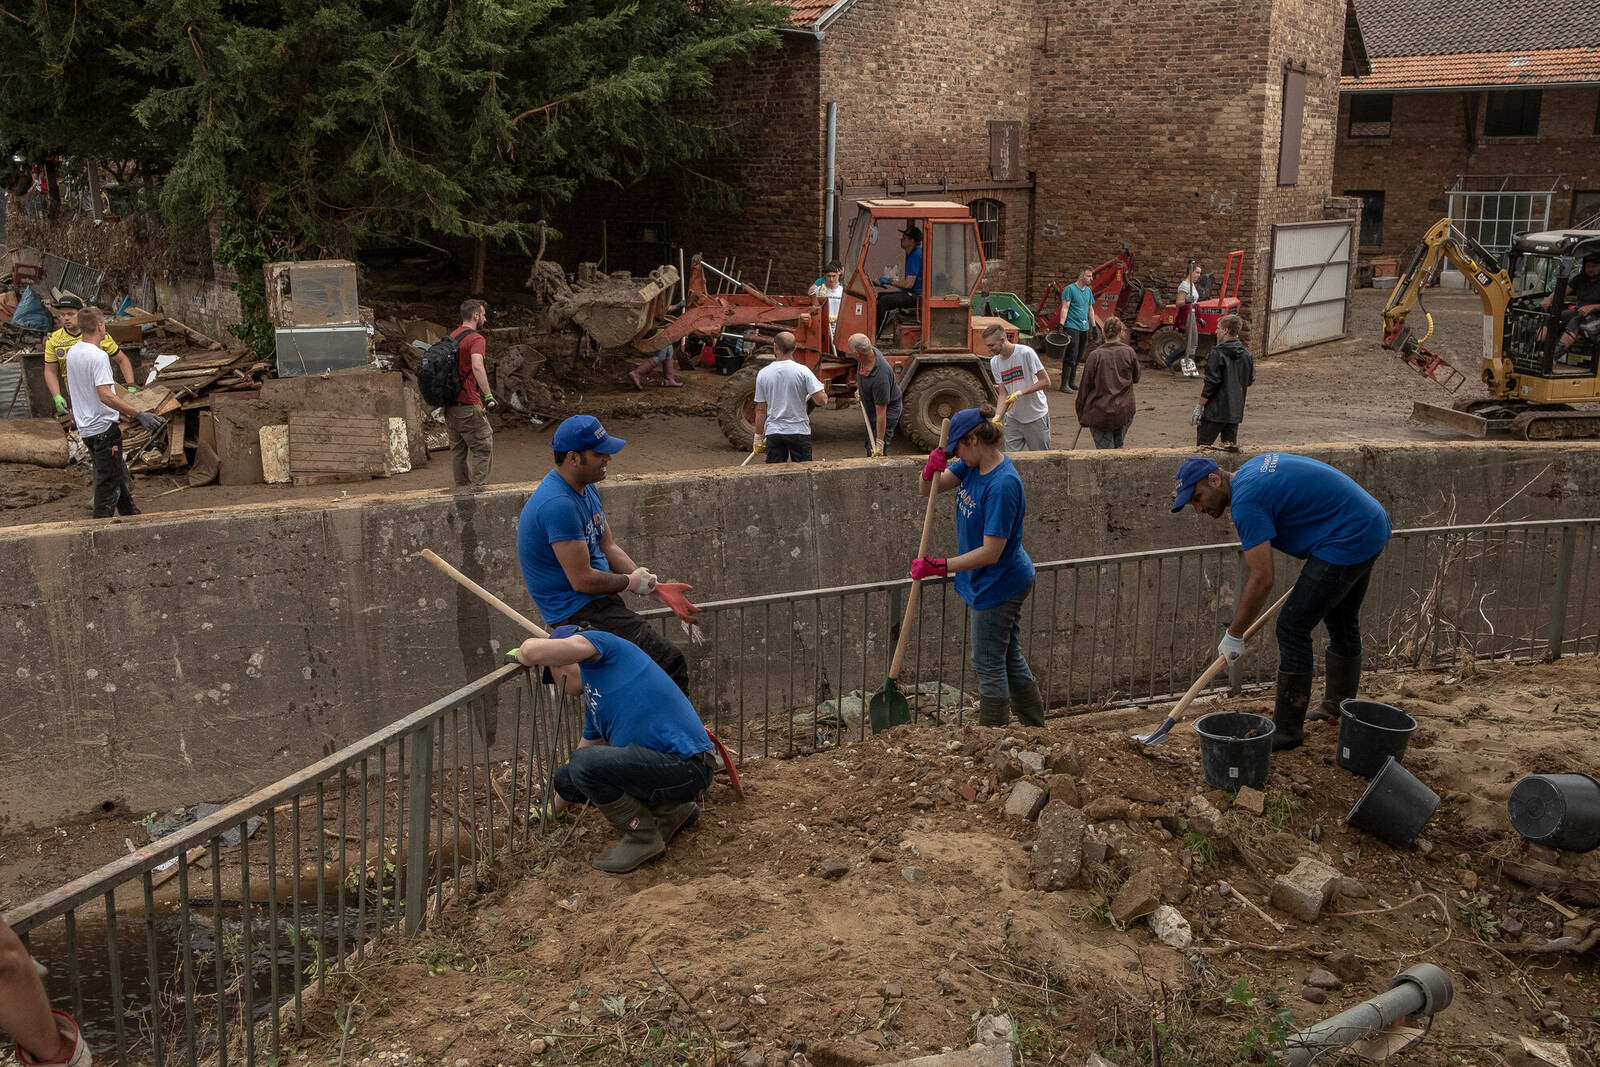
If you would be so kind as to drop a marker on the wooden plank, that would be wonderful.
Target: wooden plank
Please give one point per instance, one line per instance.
(175, 430)
(329, 479)
(326, 442)
(206, 428)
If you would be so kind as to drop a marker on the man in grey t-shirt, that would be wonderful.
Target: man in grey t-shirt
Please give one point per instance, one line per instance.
(878, 390)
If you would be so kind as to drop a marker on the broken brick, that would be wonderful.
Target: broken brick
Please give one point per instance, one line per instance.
(1303, 891)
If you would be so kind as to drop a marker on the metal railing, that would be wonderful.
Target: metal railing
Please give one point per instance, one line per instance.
(191, 949)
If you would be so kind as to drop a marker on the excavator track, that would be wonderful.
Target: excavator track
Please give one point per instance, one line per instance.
(1556, 425)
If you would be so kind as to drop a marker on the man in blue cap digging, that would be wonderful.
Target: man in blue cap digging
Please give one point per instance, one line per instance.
(645, 757)
(574, 569)
(1308, 510)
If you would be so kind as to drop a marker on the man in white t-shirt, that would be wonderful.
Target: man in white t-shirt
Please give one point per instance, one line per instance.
(95, 407)
(783, 428)
(1018, 373)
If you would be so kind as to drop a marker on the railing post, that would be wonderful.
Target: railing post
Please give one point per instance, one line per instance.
(420, 803)
(1241, 575)
(1558, 596)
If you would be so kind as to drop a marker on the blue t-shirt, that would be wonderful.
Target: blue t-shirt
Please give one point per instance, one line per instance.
(557, 512)
(914, 267)
(991, 505)
(1307, 508)
(629, 700)
(1079, 301)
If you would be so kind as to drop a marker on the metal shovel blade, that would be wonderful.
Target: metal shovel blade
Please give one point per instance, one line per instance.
(888, 708)
(1158, 736)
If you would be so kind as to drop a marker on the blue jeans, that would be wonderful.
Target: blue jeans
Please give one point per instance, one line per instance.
(997, 647)
(1329, 593)
(601, 774)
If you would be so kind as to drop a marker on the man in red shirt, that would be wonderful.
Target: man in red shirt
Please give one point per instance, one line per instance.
(471, 438)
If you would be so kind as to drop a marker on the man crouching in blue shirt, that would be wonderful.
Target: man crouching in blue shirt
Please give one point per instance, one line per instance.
(1308, 510)
(645, 756)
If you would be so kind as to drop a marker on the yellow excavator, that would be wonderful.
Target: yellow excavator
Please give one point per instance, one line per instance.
(1534, 383)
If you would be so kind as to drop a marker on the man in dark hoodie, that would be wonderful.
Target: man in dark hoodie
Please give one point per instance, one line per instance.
(1230, 371)
(1105, 395)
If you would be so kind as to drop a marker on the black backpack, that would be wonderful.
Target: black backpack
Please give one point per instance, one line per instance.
(439, 371)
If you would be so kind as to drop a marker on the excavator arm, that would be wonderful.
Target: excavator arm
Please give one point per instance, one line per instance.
(1444, 243)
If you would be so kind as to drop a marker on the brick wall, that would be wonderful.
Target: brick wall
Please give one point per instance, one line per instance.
(1428, 147)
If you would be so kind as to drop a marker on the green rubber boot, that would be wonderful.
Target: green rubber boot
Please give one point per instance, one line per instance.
(641, 839)
(670, 818)
(1028, 702)
(1289, 714)
(994, 711)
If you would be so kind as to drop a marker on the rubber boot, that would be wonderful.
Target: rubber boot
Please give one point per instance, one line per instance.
(994, 711)
(636, 375)
(672, 379)
(1289, 715)
(1028, 703)
(1344, 678)
(670, 818)
(641, 840)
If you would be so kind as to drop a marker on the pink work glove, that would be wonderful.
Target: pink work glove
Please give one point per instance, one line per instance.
(936, 463)
(672, 595)
(928, 567)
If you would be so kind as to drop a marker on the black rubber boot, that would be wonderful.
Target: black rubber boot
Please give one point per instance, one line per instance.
(670, 818)
(1069, 376)
(994, 711)
(1344, 679)
(641, 839)
(1289, 715)
(1028, 702)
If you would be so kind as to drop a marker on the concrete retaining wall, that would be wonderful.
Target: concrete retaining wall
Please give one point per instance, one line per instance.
(165, 660)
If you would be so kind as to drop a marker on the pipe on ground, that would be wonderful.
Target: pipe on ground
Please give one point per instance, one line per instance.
(1421, 990)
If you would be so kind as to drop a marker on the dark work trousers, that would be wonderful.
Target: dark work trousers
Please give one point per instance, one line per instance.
(1329, 593)
(601, 774)
(783, 447)
(113, 484)
(1078, 340)
(609, 614)
(897, 300)
(1207, 432)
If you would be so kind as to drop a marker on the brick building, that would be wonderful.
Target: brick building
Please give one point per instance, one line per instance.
(1185, 130)
(1487, 111)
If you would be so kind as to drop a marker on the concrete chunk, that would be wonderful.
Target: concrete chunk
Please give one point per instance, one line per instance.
(1303, 891)
(1138, 897)
(1027, 799)
(1170, 927)
(1057, 861)
(1252, 800)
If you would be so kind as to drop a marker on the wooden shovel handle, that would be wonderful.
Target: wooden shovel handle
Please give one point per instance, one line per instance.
(872, 438)
(1222, 661)
(488, 598)
(922, 550)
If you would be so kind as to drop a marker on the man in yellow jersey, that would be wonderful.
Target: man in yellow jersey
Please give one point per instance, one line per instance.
(67, 335)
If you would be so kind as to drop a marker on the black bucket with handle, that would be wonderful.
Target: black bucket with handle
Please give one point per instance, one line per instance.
(1056, 344)
(1235, 749)
(1557, 810)
(1369, 733)
(1395, 807)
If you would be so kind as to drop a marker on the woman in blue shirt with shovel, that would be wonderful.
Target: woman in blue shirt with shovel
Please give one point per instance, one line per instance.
(992, 572)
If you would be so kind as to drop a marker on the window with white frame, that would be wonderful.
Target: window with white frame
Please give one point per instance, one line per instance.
(1491, 209)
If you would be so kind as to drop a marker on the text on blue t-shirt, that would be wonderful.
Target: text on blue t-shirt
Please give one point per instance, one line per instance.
(556, 512)
(1306, 508)
(629, 700)
(991, 505)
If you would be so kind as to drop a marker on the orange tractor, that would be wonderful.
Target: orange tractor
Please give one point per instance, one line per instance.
(936, 349)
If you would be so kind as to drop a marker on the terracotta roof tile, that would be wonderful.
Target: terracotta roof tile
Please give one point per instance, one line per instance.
(807, 12)
(1458, 27)
(1555, 66)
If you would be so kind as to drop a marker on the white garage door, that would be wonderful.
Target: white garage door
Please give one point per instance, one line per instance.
(1310, 283)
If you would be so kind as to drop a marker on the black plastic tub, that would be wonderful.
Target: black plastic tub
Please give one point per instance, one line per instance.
(1395, 807)
(1235, 749)
(1369, 733)
(1558, 810)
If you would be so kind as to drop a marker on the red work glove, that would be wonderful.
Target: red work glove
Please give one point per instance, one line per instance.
(672, 595)
(928, 567)
(936, 463)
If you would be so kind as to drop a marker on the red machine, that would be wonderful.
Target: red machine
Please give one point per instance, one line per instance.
(1157, 319)
(1110, 284)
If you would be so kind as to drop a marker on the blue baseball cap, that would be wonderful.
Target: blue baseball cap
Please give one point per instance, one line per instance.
(962, 423)
(583, 433)
(1190, 474)
(557, 634)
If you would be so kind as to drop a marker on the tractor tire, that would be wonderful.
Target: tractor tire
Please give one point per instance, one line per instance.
(1166, 343)
(736, 408)
(935, 395)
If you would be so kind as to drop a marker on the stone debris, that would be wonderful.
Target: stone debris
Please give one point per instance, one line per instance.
(833, 870)
(1064, 759)
(1323, 979)
(1306, 889)
(995, 1030)
(1027, 799)
(1314, 994)
(1204, 817)
(1170, 927)
(1344, 963)
(1057, 861)
(1252, 800)
(912, 874)
(1138, 897)
(1104, 809)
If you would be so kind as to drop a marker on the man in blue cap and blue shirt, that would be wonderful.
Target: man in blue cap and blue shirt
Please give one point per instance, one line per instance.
(1308, 510)
(645, 757)
(574, 569)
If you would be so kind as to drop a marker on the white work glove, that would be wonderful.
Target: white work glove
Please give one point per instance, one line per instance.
(642, 582)
(1194, 416)
(759, 444)
(1230, 647)
(877, 449)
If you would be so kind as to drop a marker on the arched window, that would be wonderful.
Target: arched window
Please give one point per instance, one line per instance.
(989, 215)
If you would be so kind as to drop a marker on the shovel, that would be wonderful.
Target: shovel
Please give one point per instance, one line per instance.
(1159, 734)
(872, 438)
(889, 708)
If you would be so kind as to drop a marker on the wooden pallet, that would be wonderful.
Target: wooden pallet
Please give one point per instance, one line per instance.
(327, 446)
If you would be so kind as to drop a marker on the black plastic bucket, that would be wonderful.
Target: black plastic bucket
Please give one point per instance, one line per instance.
(1229, 758)
(1369, 733)
(1056, 344)
(1395, 807)
(1558, 810)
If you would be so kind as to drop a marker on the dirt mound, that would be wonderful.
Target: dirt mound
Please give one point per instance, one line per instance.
(873, 902)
